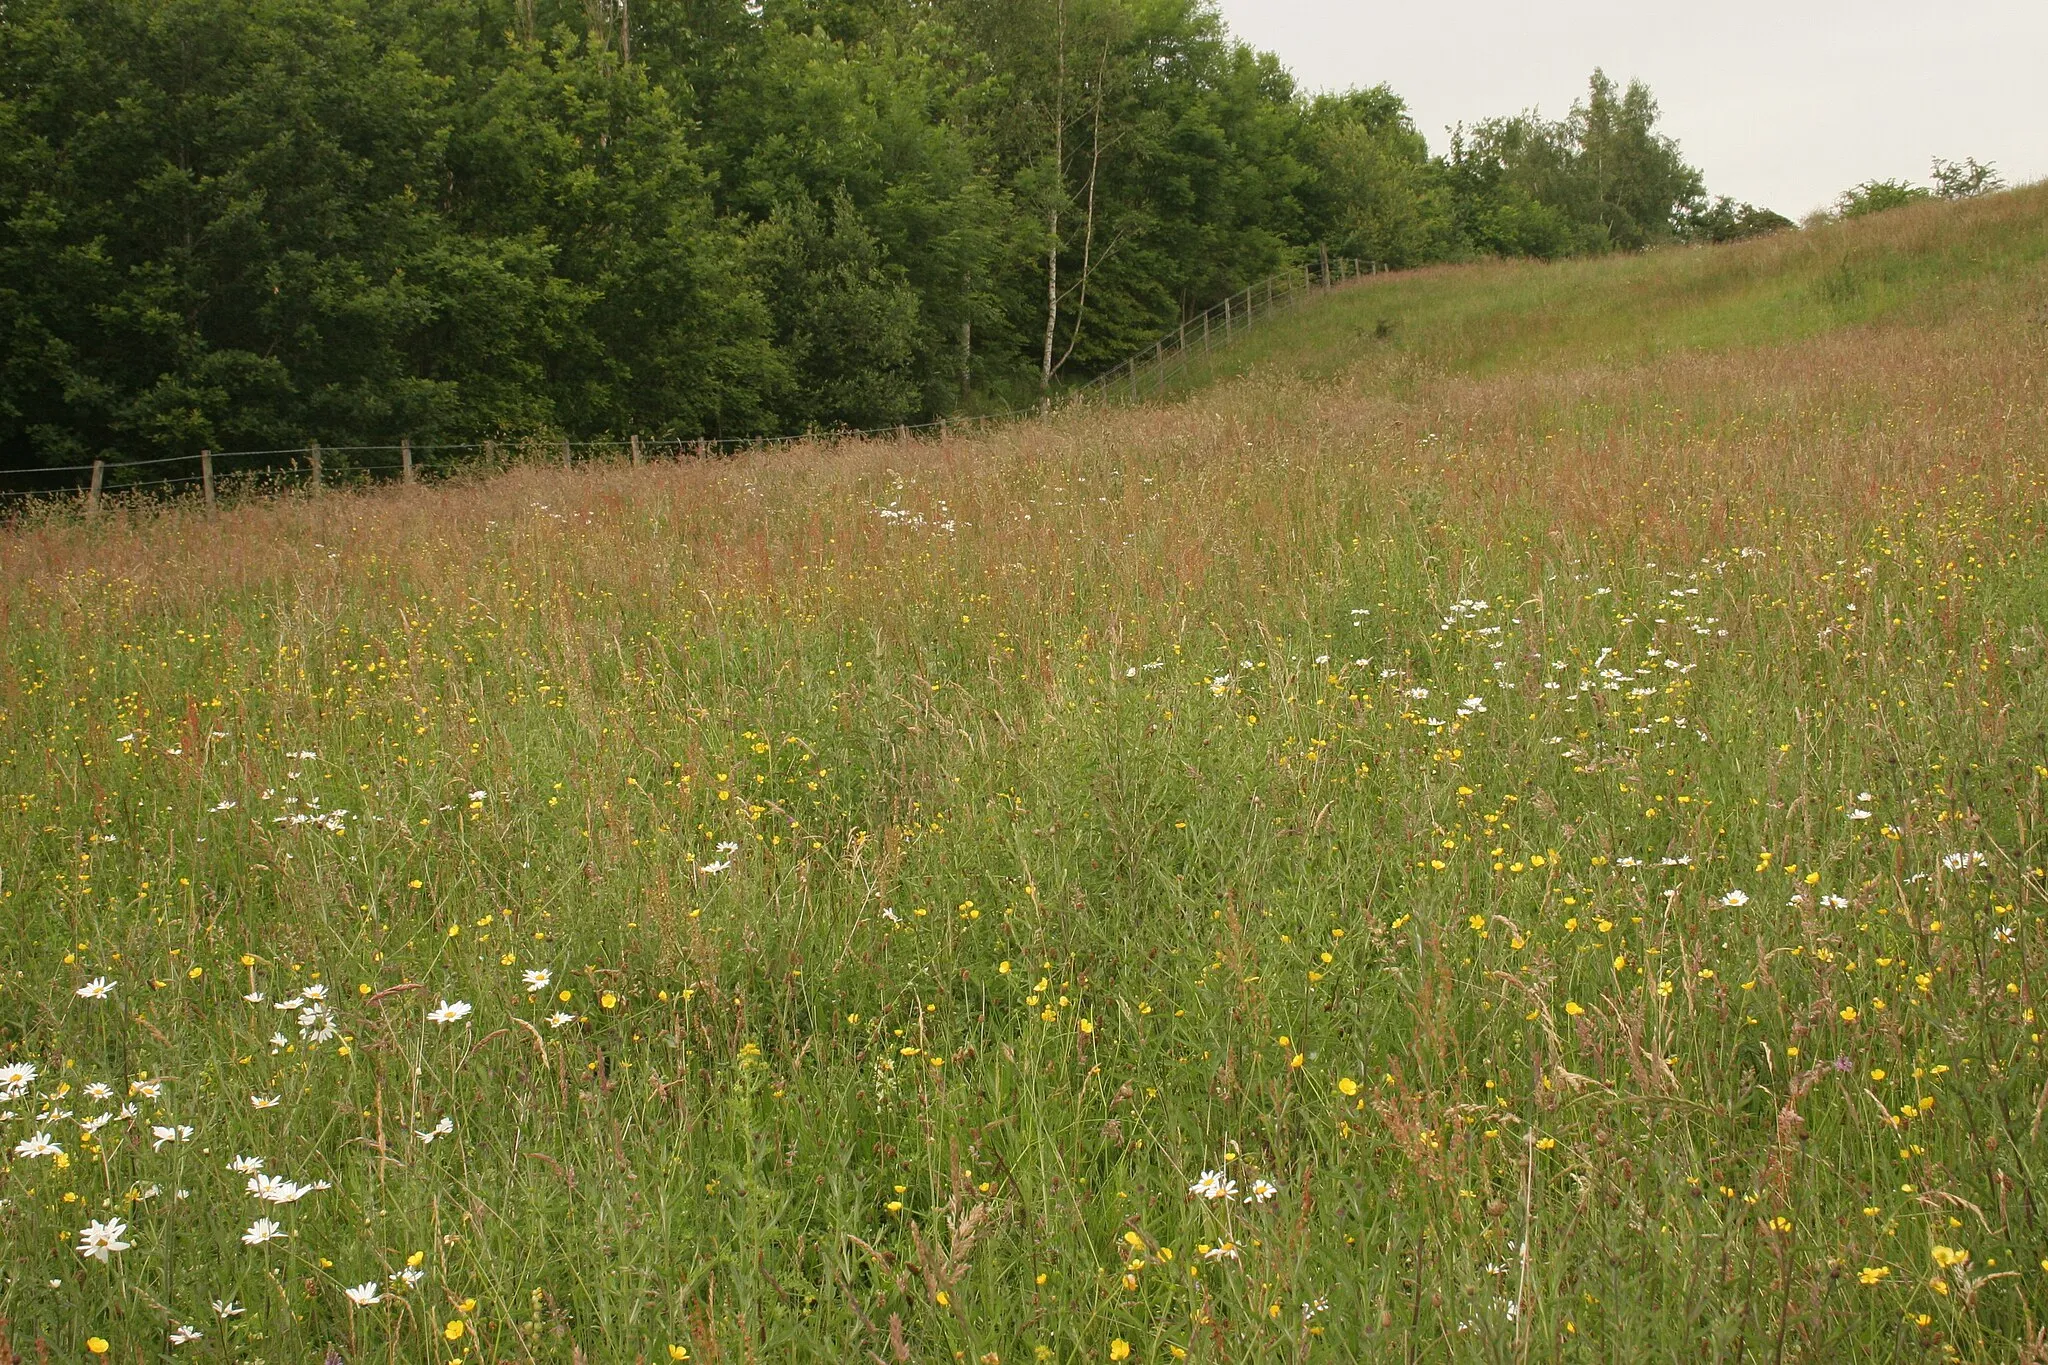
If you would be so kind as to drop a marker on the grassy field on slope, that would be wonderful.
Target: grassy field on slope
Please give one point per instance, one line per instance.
(1517, 840)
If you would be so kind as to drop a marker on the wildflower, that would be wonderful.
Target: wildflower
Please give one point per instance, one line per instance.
(714, 868)
(227, 1310)
(262, 1231)
(39, 1145)
(1347, 1087)
(246, 1165)
(167, 1134)
(99, 1241)
(450, 1013)
(1119, 1349)
(1874, 1274)
(409, 1276)
(316, 1023)
(94, 1090)
(537, 980)
(265, 1101)
(558, 1018)
(181, 1334)
(1954, 862)
(1859, 814)
(1320, 1304)
(1735, 900)
(99, 988)
(1214, 1185)
(254, 997)
(439, 1130)
(364, 1295)
(97, 1345)
(274, 1189)
(16, 1078)
(1262, 1190)
(1223, 1251)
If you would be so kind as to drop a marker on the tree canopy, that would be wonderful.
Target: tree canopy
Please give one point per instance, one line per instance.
(250, 223)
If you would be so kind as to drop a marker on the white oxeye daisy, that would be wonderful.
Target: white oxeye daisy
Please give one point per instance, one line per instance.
(365, 1294)
(1262, 1190)
(262, 1231)
(246, 1165)
(99, 1241)
(557, 1019)
(165, 1133)
(99, 988)
(1735, 900)
(265, 1101)
(450, 1012)
(181, 1334)
(38, 1145)
(538, 979)
(714, 868)
(229, 1309)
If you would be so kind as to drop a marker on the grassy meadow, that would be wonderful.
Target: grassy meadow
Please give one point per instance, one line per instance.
(1505, 828)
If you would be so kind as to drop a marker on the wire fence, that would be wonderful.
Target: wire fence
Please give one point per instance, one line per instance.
(314, 468)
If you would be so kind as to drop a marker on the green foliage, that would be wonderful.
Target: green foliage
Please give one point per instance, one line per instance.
(1879, 196)
(253, 223)
(1600, 179)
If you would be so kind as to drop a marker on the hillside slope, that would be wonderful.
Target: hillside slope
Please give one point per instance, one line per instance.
(1517, 840)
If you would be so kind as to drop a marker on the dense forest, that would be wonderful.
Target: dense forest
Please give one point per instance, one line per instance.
(250, 223)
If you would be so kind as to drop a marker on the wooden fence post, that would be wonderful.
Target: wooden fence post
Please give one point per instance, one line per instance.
(206, 476)
(567, 457)
(313, 458)
(405, 471)
(490, 452)
(634, 442)
(99, 479)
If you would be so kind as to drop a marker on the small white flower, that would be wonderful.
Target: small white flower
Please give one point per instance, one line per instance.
(728, 846)
(94, 1090)
(99, 988)
(1227, 1251)
(230, 1309)
(538, 980)
(99, 1241)
(1859, 814)
(1214, 1185)
(254, 997)
(246, 1165)
(39, 1145)
(262, 1231)
(557, 1019)
(364, 1295)
(1835, 902)
(479, 796)
(1962, 862)
(165, 1133)
(181, 1334)
(1262, 1190)
(92, 1126)
(440, 1130)
(714, 868)
(1735, 900)
(265, 1101)
(149, 1090)
(450, 1013)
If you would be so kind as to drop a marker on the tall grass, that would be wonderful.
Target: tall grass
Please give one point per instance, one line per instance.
(1554, 791)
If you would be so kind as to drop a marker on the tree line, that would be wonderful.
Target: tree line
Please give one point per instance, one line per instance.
(249, 223)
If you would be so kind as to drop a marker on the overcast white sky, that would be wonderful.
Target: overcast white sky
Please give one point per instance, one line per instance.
(1784, 103)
